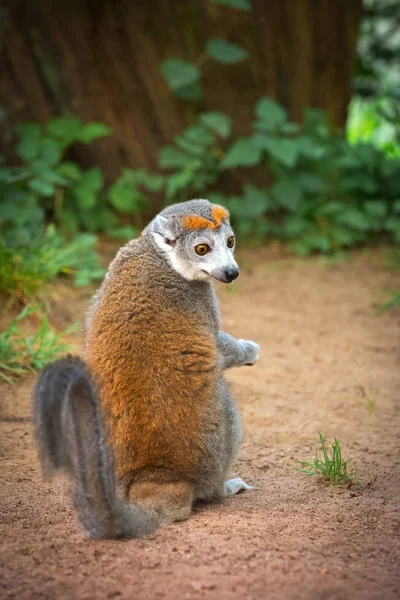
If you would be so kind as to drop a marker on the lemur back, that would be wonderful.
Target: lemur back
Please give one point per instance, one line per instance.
(152, 346)
(152, 397)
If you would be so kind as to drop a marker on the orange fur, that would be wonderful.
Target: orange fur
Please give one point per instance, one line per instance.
(218, 214)
(196, 222)
(156, 389)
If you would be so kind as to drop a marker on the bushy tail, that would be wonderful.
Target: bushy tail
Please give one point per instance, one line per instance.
(70, 437)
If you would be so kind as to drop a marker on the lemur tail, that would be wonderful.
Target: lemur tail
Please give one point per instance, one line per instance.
(70, 437)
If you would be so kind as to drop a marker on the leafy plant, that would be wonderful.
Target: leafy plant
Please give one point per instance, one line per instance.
(27, 265)
(20, 354)
(184, 78)
(195, 157)
(330, 466)
(46, 183)
(326, 195)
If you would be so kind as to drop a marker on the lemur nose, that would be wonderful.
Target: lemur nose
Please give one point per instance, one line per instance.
(231, 274)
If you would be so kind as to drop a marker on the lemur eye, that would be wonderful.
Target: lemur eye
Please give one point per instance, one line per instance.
(230, 242)
(202, 249)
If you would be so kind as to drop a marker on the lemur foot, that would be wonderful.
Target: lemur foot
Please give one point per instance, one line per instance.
(233, 486)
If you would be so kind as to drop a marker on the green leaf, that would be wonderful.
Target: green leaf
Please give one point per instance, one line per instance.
(318, 241)
(53, 176)
(396, 206)
(70, 169)
(285, 151)
(50, 151)
(194, 91)
(64, 129)
(270, 113)
(289, 127)
(310, 147)
(256, 201)
(5, 173)
(179, 74)
(93, 131)
(125, 198)
(243, 153)
(217, 122)
(199, 135)
(376, 208)
(225, 52)
(295, 226)
(330, 210)
(342, 236)
(85, 190)
(28, 145)
(287, 194)
(123, 233)
(190, 146)
(153, 183)
(354, 218)
(238, 4)
(177, 182)
(310, 183)
(42, 187)
(171, 157)
(92, 179)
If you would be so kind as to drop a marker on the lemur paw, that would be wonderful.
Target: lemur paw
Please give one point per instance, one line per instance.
(233, 486)
(252, 352)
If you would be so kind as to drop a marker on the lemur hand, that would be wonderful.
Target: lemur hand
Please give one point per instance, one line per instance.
(251, 350)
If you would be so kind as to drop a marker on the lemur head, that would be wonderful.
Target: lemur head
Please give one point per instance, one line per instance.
(197, 240)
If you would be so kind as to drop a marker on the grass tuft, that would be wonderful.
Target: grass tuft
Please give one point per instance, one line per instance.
(21, 354)
(367, 400)
(331, 466)
(26, 269)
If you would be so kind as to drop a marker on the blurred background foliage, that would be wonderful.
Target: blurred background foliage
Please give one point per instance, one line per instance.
(287, 113)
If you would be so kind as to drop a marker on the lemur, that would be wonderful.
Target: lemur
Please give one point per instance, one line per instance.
(147, 425)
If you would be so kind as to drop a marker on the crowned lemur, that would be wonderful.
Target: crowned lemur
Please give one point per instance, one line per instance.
(151, 397)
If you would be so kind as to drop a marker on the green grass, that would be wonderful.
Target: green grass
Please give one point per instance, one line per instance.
(392, 302)
(367, 401)
(26, 269)
(21, 354)
(331, 466)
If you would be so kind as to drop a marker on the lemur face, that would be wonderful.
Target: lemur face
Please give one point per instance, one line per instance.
(197, 240)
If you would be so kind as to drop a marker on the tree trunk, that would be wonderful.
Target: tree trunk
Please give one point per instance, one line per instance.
(100, 60)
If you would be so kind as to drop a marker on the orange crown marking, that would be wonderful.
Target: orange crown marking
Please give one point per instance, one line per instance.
(218, 214)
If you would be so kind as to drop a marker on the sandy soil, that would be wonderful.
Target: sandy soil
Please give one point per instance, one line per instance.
(292, 538)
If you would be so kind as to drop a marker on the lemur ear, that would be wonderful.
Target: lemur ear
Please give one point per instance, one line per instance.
(164, 232)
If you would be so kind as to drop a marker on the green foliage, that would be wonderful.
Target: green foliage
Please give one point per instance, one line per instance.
(27, 264)
(194, 157)
(225, 52)
(20, 354)
(184, 78)
(332, 467)
(327, 194)
(374, 113)
(46, 183)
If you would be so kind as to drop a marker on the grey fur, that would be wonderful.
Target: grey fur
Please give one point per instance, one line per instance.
(70, 436)
(67, 418)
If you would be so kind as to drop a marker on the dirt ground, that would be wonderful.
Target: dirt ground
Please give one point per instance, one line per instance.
(293, 537)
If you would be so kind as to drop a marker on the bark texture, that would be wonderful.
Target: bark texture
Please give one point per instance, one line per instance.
(100, 60)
